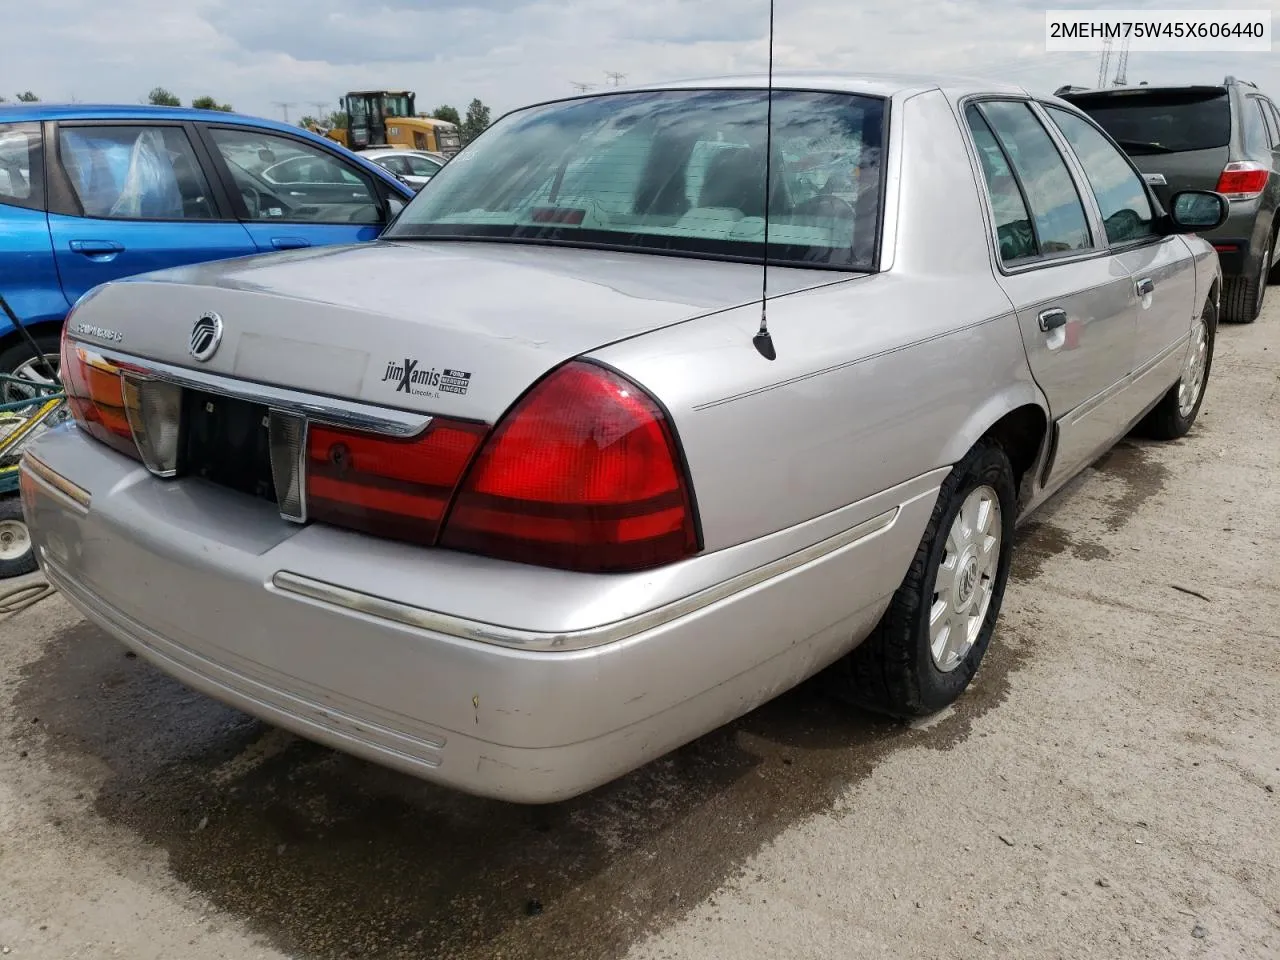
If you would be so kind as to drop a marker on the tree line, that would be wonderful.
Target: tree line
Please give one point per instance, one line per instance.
(159, 97)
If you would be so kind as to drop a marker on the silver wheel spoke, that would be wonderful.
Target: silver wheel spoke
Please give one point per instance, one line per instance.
(957, 639)
(946, 579)
(965, 578)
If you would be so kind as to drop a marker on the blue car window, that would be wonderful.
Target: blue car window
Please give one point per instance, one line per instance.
(135, 173)
(21, 177)
(289, 181)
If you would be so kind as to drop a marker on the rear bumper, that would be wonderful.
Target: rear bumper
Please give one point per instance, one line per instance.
(489, 718)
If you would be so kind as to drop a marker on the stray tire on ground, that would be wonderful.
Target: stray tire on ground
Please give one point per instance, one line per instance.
(17, 554)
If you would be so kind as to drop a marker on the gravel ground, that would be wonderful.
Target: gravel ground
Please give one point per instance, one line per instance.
(1107, 788)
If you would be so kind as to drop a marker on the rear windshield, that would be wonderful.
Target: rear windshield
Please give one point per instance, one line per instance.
(1162, 121)
(674, 171)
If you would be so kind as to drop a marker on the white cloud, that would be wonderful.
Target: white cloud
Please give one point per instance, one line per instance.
(510, 52)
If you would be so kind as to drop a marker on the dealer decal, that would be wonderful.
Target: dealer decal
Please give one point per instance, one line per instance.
(409, 376)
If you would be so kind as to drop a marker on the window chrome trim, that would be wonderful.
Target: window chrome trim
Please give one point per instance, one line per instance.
(317, 409)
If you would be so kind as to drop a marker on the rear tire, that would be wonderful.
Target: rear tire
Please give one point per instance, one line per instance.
(1175, 414)
(916, 662)
(17, 359)
(17, 552)
(1242, 297)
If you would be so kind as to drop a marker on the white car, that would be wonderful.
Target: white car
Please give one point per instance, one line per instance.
(414, 167)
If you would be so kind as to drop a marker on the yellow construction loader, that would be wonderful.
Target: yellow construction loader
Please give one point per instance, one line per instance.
(387, 118)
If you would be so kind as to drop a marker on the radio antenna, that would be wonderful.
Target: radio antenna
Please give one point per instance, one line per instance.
(762, 341)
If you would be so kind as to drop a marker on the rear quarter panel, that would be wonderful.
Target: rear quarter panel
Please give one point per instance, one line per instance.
(878, 380)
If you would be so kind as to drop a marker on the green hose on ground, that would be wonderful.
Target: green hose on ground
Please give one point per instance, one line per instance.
(16, 599)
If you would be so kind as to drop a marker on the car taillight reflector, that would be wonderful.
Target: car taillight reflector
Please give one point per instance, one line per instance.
(1243, 180)
(154, 412)
(583, 474)
(387, 486)
(95, 396)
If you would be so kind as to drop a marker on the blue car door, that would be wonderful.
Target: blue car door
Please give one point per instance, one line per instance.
(127, 197)
(293, 193)
(28, 279)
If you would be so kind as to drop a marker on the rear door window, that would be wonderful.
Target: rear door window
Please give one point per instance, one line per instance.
(421, 166)
(1269, 109)
(1016, 237)
(1060, 222)
(21, 165)
(134, 173)
(1257, 140)
(1122, 198)
(1162, 121)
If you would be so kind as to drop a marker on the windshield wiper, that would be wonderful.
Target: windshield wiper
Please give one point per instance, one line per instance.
(1145, 145)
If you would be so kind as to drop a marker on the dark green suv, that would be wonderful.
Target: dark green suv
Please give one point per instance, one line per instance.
(1225, 138)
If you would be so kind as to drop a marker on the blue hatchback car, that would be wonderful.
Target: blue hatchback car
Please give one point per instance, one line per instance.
(89, 194)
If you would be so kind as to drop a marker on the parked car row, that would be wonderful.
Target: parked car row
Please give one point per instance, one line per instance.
(591, 498)
(92, 194)
(1223, 137)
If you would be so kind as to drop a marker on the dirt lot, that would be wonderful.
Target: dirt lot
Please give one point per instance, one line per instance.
(1108, 788)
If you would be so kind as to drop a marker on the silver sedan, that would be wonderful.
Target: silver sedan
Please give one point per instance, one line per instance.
(559, 475)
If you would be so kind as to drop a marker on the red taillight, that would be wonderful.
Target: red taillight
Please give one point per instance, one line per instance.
(387, 486)
(95, 396)
(583, 474)
(1243, 180)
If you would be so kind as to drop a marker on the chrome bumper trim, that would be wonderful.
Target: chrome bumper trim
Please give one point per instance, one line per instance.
(465, 629)
(331, 410)
(73, 496)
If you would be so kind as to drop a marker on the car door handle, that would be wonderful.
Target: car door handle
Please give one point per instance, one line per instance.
(1145, 286)
(1052, 319)
(96, 248)
(289, 243)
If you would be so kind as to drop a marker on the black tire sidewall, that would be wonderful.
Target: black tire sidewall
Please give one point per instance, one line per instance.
(11, 509)
(1185, 423)
(16, 354)
(986, 465)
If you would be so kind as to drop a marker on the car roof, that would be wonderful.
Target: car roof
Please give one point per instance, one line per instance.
(871, 84)
(389, 151)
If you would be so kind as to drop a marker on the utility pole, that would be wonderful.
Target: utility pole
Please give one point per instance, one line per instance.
(285, 107)
(1122, 70)
(321, 106)
(581, 87)
(617, 78)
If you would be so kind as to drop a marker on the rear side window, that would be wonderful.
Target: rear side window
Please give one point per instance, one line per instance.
(21, 165)
(1056, 210)
(421, 166)
(134, 173)
(1269, 109)
(1257, 140)
(1122, 198)
(1162, 121)
(1014, 232)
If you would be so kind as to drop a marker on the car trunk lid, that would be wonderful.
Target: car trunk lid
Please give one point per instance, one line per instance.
(453, 329)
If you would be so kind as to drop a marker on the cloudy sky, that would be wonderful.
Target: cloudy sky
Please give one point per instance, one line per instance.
(255, 53)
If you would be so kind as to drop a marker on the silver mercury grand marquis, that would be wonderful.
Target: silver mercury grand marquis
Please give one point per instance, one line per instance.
(522, 496)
